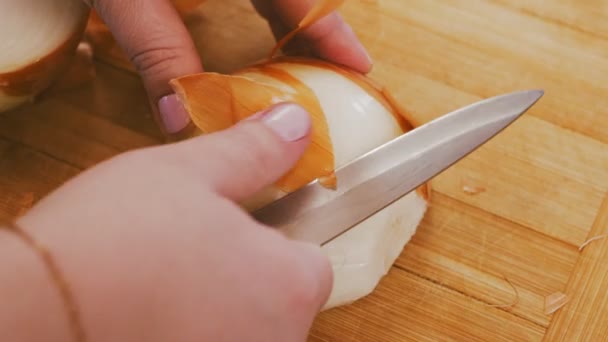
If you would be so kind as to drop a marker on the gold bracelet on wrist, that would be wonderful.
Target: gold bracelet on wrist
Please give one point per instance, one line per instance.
(57, 278)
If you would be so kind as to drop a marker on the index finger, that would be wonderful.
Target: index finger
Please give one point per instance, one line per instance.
(154, 37)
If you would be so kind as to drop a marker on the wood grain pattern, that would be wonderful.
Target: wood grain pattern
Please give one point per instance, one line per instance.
(27, 174)
(472, 251)
(407, 307)
(544, 180)
(584, 317)
(482, 43)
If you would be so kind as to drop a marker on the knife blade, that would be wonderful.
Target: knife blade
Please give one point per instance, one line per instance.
(378, 178)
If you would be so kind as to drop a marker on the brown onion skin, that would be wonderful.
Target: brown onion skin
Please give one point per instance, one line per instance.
(34, 78)
(370, 86)
(380, 93)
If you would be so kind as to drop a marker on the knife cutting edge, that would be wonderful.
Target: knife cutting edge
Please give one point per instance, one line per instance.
(373, 181)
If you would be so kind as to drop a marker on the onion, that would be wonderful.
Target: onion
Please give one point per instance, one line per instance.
(37, 51)
(351, 116)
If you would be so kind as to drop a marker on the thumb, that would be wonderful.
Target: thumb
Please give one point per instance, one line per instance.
(242, 160)
(157, 42)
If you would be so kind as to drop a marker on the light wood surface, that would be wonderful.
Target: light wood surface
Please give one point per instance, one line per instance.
(544, 181)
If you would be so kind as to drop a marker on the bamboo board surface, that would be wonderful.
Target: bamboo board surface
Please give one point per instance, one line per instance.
(544, 180)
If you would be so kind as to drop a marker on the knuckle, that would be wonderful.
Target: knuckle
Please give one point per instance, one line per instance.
(155, 59)
(309, 280)
(304, 291)
(300, 273)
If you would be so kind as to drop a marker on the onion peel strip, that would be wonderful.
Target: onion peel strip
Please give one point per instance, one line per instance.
(473, 189)
(216, 102)
(369, 85)
(515, 300)
(593, 239)
(320, 10)
(555, 301)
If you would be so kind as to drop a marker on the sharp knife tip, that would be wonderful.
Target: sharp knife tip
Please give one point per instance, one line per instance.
(538, 93)
(534, 94)
(522, 101)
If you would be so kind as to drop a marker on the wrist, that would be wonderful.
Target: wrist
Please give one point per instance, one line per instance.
(32, 308)
(110, 300)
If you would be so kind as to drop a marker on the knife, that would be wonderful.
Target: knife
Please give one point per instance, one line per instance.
(373, 181)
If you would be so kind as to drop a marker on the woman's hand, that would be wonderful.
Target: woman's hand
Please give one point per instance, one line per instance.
(157, 42)
(155, 247)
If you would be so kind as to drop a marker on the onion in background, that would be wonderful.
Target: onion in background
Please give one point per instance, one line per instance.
(39, 40)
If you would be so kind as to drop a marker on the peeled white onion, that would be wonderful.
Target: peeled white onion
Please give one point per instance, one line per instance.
(38, 39)
(358, 121)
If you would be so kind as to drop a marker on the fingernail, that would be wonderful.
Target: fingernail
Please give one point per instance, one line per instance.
(173, 114)
(288, 120)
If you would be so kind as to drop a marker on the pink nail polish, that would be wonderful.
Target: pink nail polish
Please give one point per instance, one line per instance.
(173, 114)
(289, 121)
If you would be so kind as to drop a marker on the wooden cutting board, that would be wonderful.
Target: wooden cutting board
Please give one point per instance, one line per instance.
(482, 261)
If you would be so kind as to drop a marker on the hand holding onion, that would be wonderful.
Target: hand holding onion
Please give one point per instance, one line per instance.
(351, 115)
(154, 247)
